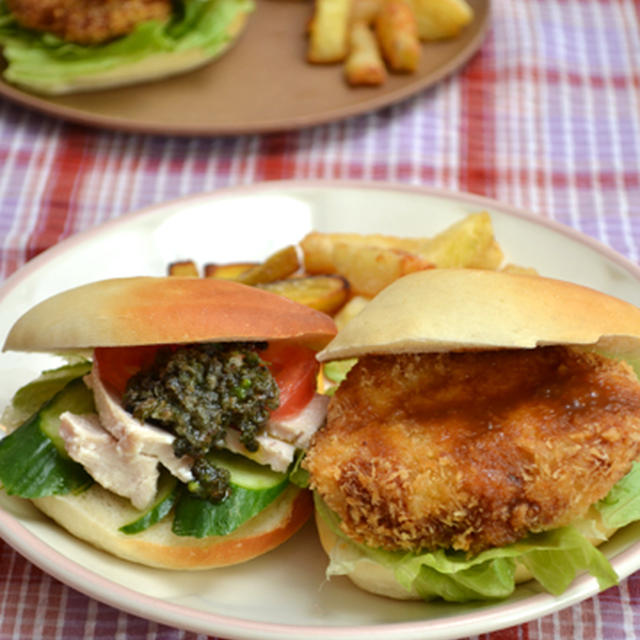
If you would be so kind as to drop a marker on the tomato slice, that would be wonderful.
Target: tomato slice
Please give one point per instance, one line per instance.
(118, 364)
(294, 369)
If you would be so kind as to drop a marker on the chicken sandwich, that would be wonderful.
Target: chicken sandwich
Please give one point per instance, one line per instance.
(174, 442)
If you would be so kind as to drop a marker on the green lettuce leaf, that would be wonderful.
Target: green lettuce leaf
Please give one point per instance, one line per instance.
(45, 63)
(554, 558)
(337, 370)
(622, 505)
(28, 399)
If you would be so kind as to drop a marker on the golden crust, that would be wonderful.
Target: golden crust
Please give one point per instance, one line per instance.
(88, 21)
(144, 310)
(474, 450)
(454, 309)
(95, 516)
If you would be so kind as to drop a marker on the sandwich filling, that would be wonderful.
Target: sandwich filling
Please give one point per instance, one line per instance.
(210, 431)
(181, 405)
(449, 467)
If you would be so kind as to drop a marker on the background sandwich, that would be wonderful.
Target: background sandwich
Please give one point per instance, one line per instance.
(64, 46)
(488, 433)
(174, 444)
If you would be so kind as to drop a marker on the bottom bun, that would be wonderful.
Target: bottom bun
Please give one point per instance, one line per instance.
(375, 578)
(366, 574)
(96, 515)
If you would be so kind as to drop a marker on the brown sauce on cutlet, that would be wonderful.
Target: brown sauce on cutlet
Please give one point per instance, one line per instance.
(473, 450)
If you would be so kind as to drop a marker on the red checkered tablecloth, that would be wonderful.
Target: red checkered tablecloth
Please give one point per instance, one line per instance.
(545, 117)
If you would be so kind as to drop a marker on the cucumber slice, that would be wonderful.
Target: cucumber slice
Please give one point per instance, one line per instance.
(33, 462)
(253, 487)
(165, 499)
(74, 397)
(201, 518)
(245, 473)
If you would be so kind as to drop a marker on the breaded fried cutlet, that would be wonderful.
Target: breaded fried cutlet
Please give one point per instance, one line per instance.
(474, 450)
(87, 21)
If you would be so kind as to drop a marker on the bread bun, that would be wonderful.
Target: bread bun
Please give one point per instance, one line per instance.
(95, 516)
(147, 310)
(151, 67)
(366, 574)
(421, 312)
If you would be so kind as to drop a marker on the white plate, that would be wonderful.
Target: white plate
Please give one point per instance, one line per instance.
(283, 594)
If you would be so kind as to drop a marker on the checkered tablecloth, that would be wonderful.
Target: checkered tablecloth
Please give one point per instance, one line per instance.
(545, 117)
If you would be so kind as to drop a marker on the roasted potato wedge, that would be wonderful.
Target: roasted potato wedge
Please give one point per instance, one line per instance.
(467, 243)
(277, 266)
(229, 271)
(324, 293)
(183, 268)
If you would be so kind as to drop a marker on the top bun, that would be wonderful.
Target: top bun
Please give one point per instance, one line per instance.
(147, 310)
(459, 309)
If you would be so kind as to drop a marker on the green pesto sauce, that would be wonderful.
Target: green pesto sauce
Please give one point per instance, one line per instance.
(197, 392)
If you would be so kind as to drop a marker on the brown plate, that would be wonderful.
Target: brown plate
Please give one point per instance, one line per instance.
(262, 84)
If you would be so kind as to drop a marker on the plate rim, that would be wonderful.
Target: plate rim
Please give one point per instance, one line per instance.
(42, 104)
(134, 602)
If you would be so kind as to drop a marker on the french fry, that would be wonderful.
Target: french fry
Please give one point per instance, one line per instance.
(318, 247)
(317, 252)
(350, 310)
(364, 11)
(467, 243)
(328, 31)
(397, 34)
(230, 271)
(324, 293)
(183, 268)
(370, 269)
(341, 272)
(437, 19)
(364, 64)
(516, 268)
(277, 266)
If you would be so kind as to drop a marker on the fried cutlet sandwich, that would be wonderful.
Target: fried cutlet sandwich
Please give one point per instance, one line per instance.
(487, 434)
(64, 46)
(174, 443)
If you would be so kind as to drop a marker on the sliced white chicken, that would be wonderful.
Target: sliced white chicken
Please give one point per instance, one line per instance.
(86, 442)
(298, 429)
(134, 437)
(271, 452)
